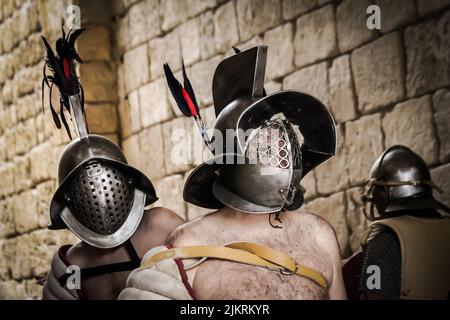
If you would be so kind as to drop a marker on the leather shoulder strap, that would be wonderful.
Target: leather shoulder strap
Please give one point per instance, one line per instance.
(91, 272)
(243, 252)
(134, 256)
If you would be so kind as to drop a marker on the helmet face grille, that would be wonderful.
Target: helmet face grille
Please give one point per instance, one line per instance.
(100, 197)
(268, 146)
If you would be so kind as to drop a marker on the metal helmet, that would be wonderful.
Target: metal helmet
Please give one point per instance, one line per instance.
(277, 139)
(400, 181)
(100, 197)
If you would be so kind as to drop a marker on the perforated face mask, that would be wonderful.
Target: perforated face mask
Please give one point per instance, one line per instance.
(100, 197)
(269, 146)
(101, 205)
(269, 179)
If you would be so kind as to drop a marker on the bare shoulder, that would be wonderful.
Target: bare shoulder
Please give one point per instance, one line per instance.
(322, 230)
(313, 220)
(156, 226)
(162, 219)
(191, 232)
(78, 252)
(305, 219)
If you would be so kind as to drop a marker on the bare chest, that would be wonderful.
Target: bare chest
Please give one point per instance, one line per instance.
(216, 279)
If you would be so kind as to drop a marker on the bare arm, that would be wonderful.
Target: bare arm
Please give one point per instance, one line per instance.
(328, 241)
(337, 287)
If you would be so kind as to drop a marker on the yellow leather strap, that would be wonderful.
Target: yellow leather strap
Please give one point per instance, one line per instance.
(282, 260)
(243, 252)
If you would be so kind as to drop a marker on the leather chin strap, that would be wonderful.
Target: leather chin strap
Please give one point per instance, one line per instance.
(243, 252)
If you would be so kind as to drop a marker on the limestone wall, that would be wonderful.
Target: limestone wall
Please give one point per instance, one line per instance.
(30, 144)
(384, 87)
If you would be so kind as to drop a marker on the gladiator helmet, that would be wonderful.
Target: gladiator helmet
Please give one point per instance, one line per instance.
(275, 139)
(100, 198)
(400, 182)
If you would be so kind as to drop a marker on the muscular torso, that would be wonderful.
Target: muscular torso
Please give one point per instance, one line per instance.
(153, 231)
(216, 279)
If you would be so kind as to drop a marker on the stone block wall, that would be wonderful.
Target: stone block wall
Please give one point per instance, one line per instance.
(30, 144)
(383, 87)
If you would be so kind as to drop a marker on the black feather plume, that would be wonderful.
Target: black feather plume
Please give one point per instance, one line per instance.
(186, 101)
(176, 90)
(62, 68)
(188, 87)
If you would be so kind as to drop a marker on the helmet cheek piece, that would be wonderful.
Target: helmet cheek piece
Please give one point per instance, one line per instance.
(367, 200)
(375, 195)
(381, 197)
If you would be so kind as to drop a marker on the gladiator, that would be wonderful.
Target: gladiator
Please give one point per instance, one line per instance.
(408, 240)
(257, 243)
(100, 197)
